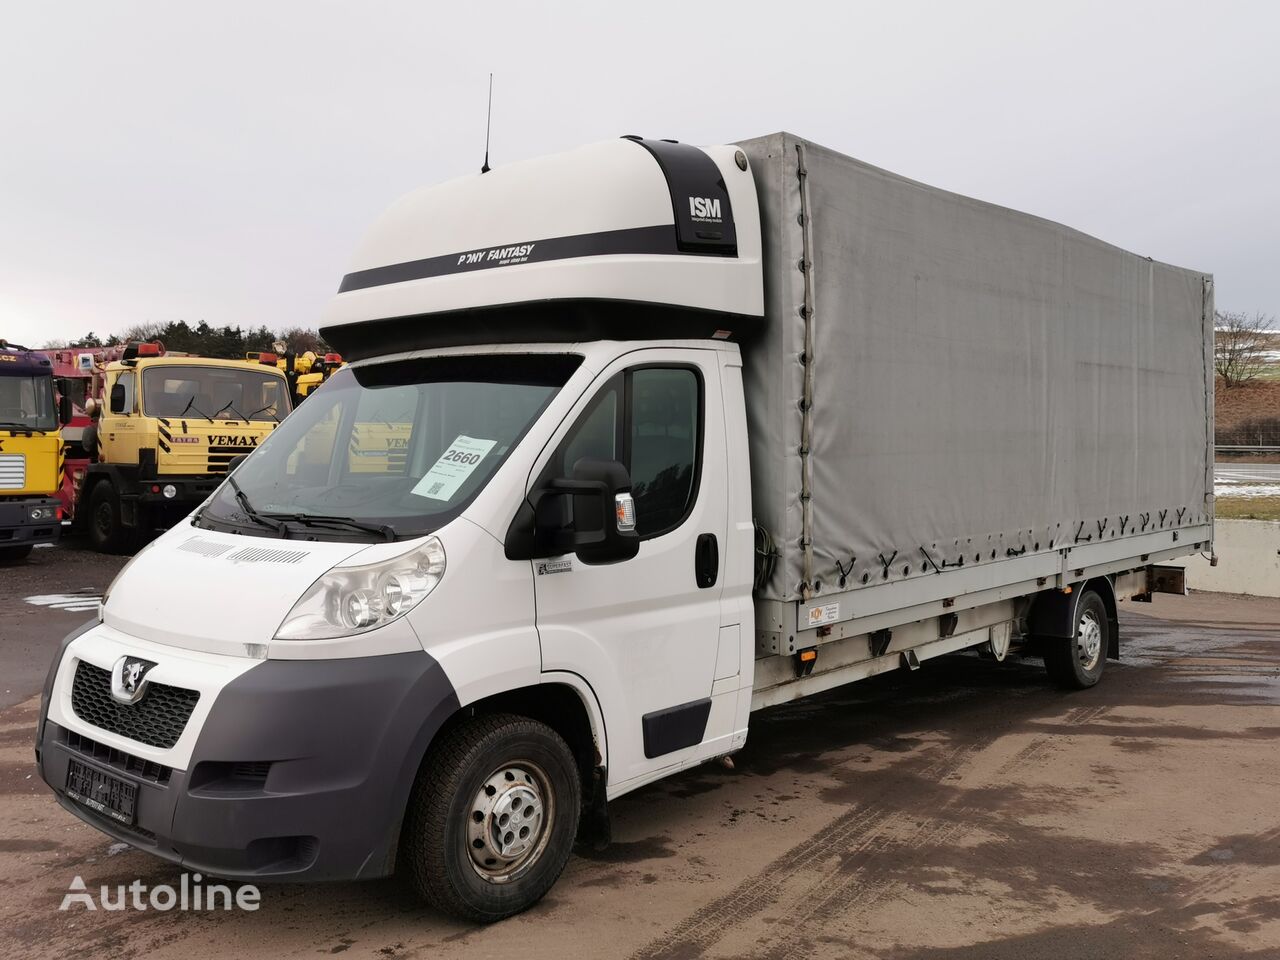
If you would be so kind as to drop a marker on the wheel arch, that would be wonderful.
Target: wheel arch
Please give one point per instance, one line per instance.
(1053, 612)
(94, 474)
(563, 701)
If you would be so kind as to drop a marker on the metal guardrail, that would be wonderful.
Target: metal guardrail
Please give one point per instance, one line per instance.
(1243, 448)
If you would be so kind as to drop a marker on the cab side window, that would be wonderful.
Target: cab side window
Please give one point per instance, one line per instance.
(650, 420)
(664, 441)
(126, 381)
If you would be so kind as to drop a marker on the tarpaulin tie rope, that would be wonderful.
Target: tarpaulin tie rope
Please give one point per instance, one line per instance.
(930, 559)
(844, 574)
(885, 563)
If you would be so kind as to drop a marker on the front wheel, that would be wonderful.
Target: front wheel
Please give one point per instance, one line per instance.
(1077, 662)
(106, 526)
(492, 817)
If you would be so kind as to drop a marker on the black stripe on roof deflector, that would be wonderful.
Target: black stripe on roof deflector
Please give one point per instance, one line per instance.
(660, 239)
(699, 197)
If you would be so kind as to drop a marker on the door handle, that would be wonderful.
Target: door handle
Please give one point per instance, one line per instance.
(706, 560)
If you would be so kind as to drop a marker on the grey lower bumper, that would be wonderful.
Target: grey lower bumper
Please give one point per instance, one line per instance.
(17, 529)
(301, 772)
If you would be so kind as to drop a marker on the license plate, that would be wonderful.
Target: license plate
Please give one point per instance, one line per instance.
(108, 795)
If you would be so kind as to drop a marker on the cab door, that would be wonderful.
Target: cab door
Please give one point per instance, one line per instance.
(119, 427)
(644, 632)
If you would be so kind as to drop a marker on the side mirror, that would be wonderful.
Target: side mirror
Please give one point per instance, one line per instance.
(117, 398)
(591, 515)
(64, 409)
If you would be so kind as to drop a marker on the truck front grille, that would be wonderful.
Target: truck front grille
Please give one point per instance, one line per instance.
(117, 759)
(220, 457)
(13, 471)
(157, 720)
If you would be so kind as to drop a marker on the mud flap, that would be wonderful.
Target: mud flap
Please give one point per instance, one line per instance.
(594, 828)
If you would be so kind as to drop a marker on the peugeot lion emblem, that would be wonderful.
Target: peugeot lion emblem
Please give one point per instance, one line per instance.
(128, 679)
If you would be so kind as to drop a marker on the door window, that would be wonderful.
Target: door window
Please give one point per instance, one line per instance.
(650, 420)
(126, 380)
(664, 445)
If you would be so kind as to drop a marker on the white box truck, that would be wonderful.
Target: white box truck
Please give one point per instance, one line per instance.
(638, 439)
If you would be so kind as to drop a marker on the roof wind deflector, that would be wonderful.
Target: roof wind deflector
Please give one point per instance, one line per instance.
(699, 197)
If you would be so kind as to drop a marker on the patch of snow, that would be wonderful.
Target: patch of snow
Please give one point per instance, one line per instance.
(1236, 491)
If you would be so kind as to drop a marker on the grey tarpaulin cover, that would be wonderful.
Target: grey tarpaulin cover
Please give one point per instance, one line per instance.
(984, 382)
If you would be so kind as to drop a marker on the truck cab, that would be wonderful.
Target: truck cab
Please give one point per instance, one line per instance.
(31, 460)
(168, 429)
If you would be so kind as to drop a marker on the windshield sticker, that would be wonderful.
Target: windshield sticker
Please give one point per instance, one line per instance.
(457, 463)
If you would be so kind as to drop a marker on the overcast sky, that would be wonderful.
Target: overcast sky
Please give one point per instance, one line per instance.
(218, 161)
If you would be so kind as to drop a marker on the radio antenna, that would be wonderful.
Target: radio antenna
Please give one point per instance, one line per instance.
(488, 117)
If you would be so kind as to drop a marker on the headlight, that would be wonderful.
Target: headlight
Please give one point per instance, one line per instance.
(41, 513)
(351, 600)
(106, 594)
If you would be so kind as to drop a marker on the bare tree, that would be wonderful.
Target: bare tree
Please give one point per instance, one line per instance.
(139, 332)
(300, 340)
(1240, 345)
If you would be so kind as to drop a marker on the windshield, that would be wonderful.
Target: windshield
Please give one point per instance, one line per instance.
(403, 446)
(223, 393)
(27, 403)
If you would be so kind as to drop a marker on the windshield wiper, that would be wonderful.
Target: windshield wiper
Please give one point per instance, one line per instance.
(191, 405)
(226, 406)
(261, 409)
(265, 520)
(322, 520)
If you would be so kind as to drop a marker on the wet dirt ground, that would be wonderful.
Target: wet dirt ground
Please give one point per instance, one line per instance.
(968, 811)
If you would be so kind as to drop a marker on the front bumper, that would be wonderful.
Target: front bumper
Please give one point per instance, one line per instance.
(162, 511)
(18, 529)
(301, 770)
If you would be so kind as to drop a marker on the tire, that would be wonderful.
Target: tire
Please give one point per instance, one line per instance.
(12, 555)
(1076, 663)
(106, 527)
(495, 768)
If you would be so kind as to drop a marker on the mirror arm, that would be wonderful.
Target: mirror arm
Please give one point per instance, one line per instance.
(561, 486)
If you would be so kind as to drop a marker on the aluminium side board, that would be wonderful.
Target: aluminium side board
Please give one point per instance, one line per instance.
(950, 398)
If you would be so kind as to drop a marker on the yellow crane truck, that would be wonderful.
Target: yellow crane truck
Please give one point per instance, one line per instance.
(304, 371)
(166, 435)
(31, 462)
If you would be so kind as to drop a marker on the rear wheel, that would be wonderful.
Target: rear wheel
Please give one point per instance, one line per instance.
(12, 555)
(106, 528)
(492, 818)
(1077, 662)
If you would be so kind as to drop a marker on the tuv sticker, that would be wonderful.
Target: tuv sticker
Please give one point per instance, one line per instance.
(457, 463)
(827, 613)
